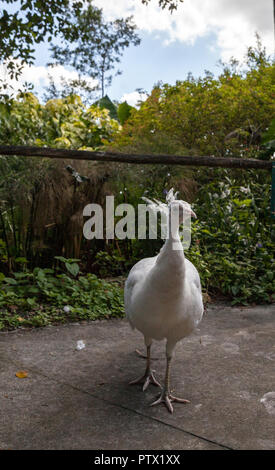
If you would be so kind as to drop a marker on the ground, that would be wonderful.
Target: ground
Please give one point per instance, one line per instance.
(80, 399)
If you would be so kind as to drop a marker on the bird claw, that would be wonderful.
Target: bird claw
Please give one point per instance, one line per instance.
(146, 379)
(167, 399)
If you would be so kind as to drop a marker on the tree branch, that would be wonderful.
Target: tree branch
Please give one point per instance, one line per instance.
(208, 161)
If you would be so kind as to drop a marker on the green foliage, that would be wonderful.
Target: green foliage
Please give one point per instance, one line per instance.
(106, 103)
(38, 298)
(65, 123)
(268, 142)
(112, 264)
(124, 112)
(232, 240)
(70, 264)
(224, 116)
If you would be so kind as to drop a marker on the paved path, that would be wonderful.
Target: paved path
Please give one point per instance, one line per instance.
(80, 399)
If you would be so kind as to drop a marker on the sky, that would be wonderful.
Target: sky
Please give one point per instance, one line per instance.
(192, 39)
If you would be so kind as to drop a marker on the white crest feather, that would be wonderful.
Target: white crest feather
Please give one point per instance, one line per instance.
(155, 205)
(171, 196)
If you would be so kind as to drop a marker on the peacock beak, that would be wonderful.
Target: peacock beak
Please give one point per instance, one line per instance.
(193, 214)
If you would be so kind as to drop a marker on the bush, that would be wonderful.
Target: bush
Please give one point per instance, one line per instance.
(38, 298)
(233, 239)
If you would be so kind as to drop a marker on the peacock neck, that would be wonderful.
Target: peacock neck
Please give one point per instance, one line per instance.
(169, 270)
(173, 248)
(173, 242)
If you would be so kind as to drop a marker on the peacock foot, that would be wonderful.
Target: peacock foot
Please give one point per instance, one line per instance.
(167, 398)
(146, 379)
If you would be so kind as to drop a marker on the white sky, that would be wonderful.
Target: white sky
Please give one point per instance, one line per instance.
(234, 22)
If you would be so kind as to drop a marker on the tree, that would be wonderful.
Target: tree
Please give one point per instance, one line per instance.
(224, 116)
(34, 21)
(106, 103)
(38, 20)
(98, 47)
(124, 112)
(170, 4)
(78, 86)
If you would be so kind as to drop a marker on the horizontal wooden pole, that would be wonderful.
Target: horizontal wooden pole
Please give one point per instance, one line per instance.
(209, 161)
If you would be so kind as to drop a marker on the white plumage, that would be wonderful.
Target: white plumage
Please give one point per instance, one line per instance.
(163, 298)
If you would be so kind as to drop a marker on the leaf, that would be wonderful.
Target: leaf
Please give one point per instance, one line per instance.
(21, 374)
(40, 275)
(72, 268)
(61, 258)
(10, 280)
(21, 260)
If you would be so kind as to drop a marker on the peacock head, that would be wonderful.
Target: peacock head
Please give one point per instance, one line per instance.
(178, 208)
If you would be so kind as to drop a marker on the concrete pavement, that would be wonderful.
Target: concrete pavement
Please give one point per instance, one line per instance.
(80, 399)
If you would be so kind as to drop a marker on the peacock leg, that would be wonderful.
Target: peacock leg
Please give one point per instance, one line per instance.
(141, 355)
(148, 376)
(166, 397)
